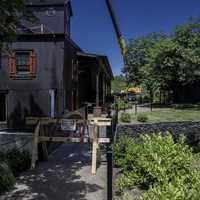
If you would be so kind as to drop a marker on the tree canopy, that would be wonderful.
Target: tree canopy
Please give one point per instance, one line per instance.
(11, 14)
(161, 61)
(119, 83)
(137, 54)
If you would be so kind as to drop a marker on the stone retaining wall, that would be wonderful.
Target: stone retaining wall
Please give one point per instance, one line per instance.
(10, 141)
(190, 129)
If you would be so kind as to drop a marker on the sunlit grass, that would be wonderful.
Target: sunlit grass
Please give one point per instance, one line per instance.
(171, 115)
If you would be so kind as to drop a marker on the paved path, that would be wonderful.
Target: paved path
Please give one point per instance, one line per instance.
(144, 108)
(66, 176)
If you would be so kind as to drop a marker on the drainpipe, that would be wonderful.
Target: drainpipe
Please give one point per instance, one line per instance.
(52, 103)
(42, 28)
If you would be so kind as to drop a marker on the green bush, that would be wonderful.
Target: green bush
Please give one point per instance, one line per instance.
(124, 105)
(143, 99)
(139, 99)
(142, 117)
(125, 117)
(158, 164)
(7, 179)
(18, 161)
(186, 106)
(125, 196)
(12, 163)
(183, 188)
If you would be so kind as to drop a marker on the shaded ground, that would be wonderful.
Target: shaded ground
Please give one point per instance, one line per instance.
(66, 176)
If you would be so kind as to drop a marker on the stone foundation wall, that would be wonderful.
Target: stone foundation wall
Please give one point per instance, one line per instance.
(190, 129)
(15, 141)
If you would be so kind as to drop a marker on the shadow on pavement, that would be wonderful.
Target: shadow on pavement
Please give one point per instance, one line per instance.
(56, 179)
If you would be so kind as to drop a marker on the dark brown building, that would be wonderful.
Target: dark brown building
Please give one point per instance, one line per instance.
(45, 73)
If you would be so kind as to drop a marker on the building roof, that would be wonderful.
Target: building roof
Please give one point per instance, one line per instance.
(98, 57)
(107, 64)
(46, 2)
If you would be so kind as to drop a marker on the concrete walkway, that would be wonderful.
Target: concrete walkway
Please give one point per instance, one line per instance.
(145, 108)
(66, 176)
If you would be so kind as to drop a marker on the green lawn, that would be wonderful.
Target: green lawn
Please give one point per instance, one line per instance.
(171, 115)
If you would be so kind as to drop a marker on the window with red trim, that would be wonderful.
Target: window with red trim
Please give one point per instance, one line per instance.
(22, 64)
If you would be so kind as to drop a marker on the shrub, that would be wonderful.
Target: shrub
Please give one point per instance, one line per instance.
(124, 105)
(156, 163)
(125, 117)
(143, 99)
(142, 118)
(7, 179)
(184, 188)
(18, 161)
(186, 106)
(139, 99)
(121, 149)
(180, 106)
(126, 196)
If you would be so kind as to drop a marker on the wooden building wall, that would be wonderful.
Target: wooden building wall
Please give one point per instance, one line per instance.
(54, 71)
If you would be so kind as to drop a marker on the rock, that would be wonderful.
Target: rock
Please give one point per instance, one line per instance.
(190, 129)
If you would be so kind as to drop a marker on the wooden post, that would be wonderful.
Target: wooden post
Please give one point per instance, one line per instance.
(98, 148)
(94, 149)
(35, 146)
(44, 145)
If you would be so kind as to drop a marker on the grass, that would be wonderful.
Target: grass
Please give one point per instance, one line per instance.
(170, 115)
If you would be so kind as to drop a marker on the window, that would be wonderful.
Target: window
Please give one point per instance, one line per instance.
(50, 12)
(22, 64)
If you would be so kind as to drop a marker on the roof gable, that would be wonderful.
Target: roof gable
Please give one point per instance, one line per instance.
(46, 2)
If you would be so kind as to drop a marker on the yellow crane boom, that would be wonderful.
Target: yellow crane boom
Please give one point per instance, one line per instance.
(119, 35)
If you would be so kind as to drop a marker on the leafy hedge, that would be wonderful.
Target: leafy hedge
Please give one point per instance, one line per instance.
(124, 105)
(143, 99)
(142, 117)
(7, 179)
(12, 163)
(159, 165)
(125, 117)
(18, 161)
(186, 106)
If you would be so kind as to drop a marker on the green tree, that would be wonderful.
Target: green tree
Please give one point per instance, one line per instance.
(188, 39)
(119, 83)
(11, 14)
(163, 62)
(167, 63)
(137, 53)
(175, 62)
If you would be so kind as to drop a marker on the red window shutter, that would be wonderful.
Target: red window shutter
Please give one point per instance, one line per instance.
(33, 64)
(12, 65)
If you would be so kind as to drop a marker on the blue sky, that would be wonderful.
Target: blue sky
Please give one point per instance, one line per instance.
(93, 31)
